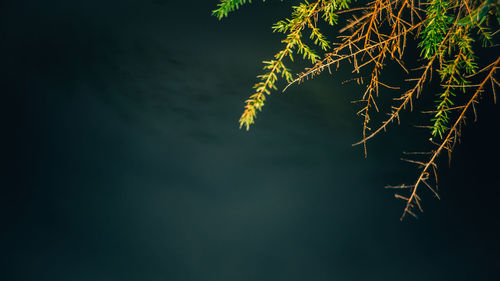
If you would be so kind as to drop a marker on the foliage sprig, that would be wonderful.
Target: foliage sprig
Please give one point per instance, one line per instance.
(304, 16)
(227, 6)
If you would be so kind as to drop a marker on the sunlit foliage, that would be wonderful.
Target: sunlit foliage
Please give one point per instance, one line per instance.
(374, 33)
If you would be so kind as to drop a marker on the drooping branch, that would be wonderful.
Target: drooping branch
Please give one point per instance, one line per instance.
(446, 144)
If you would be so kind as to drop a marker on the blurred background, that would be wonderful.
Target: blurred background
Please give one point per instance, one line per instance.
(123, 159)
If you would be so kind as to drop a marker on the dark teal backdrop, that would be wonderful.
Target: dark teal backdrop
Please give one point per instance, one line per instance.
(123, 160)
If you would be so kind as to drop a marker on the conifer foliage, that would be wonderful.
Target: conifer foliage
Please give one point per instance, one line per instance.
(448, 33)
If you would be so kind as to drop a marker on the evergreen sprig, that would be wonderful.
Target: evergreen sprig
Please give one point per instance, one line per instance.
(453, 73)
(304, 16)
(436, 27)
(227, 6)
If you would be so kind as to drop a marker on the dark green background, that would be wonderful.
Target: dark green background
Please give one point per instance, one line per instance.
(123, 160)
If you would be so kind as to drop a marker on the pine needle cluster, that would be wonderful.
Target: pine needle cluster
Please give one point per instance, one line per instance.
(374, 34)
